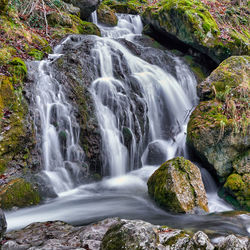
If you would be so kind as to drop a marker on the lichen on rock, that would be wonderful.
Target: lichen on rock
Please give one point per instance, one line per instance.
(177, 186)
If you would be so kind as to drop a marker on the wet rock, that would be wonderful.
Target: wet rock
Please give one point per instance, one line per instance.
(191, 23)
(86, 7)
(177, 186)
(218, 129)
(232, 242)
(3, 224)
(106, 15)
(156, 154)
(58, 235)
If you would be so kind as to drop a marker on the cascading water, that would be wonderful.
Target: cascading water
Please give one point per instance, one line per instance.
(164, 101)
(61, 154)
(143, 112)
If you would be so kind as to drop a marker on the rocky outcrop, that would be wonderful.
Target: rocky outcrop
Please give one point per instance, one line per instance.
(191, 23)
(86, 7)
(106, 15)
(114, 233)
(177, 186)
(218, 129)
(3, 224)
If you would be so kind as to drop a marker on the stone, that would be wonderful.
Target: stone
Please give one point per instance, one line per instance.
(177, 186)
(231, 242)
(3, 224)
(18, 193)
(106, 15)
(86, 7)
(218, 128)
(191, 23)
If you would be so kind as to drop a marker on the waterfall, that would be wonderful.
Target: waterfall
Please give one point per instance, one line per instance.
(142, 106)
(59, 131)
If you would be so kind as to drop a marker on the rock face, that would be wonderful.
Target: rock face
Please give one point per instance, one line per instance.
(177, 186)
(106, 15)
(190, 22)
(3, 224)
(114, 233)
(86, 7)
(218, 129)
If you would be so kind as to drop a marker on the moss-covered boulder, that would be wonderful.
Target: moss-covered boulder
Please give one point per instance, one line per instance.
(126, 6)
(177, 186)
(18, 193)
(190, 22)
(106, 15)
(218, 129)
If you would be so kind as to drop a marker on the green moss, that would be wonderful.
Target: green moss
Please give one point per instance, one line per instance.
(36, 54)
(18, 193)
(18, 70)
(234, 182)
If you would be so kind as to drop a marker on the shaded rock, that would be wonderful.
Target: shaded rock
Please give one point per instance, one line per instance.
(177, 186)
(156, 154)
(18, 193)
(106, 15)
(3, 224)
(86, 7)
(191, 23)
(232, 242)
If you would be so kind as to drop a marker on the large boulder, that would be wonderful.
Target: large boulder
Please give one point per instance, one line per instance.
(3, 224)
(177, 186)
(190, 22)
(86, 7)
(218, 129)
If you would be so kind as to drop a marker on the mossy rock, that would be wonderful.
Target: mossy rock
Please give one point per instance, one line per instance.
(190, 22)
(18, 193)
(127, 6)
(106, 15)
(36, 54)
(177, 186)
(218, 129)
(14, 132)
(239, 188)
(54, 19)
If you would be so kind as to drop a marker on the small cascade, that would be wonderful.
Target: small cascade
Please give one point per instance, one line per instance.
(139, 106)
(59, 131)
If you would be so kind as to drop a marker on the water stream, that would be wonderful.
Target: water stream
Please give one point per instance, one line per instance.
(143, 117)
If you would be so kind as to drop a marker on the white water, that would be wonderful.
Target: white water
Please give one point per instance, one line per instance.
(61, 153)
(125, 194)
